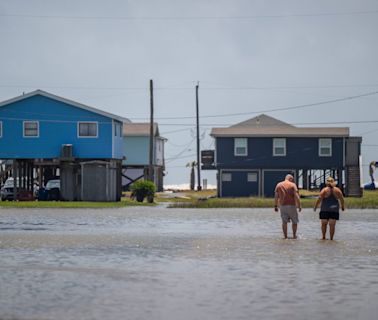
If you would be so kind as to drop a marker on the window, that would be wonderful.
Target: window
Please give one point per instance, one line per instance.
(226, 177)
(279, 147)
(240, 147)
(252, 177)
(87, 129)
(325, 147)
(31, 129)
(1, 129)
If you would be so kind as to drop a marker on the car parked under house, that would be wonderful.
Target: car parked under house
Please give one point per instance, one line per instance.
(42, 134)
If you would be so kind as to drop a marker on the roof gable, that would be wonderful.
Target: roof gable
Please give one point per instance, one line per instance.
(266, 126)
(262, 121)
(66, 101)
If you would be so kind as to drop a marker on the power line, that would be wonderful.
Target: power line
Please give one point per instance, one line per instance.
(206, 125)
(222, 87)
(274, 109)
(191, 18)
(183, 157)
(173, 131)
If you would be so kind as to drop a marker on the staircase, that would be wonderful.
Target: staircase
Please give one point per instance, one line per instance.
(353, 180)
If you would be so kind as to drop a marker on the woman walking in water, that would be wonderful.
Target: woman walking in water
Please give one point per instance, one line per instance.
(331, 199)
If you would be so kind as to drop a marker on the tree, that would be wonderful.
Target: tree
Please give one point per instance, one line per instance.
(192, 165)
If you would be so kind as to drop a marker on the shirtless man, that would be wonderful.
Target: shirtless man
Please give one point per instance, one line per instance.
(287, 199)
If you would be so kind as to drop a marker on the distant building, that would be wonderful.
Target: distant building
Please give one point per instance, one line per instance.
(44, 135)
(252, 156)
(136, 149)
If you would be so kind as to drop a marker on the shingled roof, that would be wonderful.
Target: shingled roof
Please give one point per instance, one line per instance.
(266, 126)
(139, 129)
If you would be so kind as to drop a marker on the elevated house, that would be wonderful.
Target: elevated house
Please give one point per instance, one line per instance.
(43, 135)
(252, 156)
(136, 147)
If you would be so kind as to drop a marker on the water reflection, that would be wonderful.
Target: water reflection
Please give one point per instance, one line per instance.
(138, 263)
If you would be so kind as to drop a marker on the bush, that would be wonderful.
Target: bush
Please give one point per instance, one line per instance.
(143, 188)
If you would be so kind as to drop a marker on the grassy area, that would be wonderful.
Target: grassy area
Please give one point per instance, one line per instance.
(196, 199)
(125, 202)
(369, 200)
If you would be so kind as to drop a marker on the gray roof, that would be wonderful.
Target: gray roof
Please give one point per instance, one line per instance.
(265, 126)
(262, 121)
(64, 100)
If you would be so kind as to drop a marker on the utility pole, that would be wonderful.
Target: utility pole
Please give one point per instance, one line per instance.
(199, 188)
(151, 154)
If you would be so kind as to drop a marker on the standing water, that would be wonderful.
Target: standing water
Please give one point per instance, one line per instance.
(157, 263)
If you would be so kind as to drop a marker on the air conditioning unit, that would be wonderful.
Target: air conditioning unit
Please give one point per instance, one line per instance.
(67, 151)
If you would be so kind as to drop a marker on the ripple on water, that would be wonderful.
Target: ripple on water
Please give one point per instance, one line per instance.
(184, 264)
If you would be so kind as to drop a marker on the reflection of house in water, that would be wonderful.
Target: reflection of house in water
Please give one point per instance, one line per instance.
(252, 156)
(136, 150)
(43, 136)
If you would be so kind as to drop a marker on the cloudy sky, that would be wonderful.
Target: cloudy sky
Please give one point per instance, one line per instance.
(249, 57)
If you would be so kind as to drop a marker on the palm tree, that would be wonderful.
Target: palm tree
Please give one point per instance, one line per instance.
(192, 165)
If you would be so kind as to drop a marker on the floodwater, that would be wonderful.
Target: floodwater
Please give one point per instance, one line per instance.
(158, 263)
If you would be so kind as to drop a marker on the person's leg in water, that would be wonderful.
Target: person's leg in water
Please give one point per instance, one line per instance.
(294, 226)
(332, 227)
(324, 223)
(284, 229)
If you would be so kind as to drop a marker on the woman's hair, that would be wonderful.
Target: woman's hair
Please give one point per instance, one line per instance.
(330, 182)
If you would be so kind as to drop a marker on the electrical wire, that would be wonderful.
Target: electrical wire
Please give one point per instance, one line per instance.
(274, 109)
(191, 18)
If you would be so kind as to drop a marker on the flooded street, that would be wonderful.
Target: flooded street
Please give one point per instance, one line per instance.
(157, 263)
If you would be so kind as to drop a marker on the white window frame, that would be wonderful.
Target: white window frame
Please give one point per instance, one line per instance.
(24, 123)
(323, 144)
(238, 144)
(87, 122)
(277, 143)
(1, 129)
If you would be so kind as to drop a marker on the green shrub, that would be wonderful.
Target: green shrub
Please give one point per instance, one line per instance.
(141, 189)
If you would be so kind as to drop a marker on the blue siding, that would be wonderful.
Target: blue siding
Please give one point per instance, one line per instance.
(239, 186)
(118, 141)
(57, 126)
(300, 153)
(270, 180)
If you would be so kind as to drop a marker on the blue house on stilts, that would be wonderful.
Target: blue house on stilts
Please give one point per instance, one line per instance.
(43, 135)
(252, 156)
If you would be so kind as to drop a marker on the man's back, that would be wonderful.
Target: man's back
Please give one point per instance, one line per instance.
(286, 192)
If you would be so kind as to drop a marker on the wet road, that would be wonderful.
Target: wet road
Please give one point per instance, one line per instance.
(156, 263)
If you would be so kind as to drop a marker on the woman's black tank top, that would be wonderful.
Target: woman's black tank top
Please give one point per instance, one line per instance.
(330, 204)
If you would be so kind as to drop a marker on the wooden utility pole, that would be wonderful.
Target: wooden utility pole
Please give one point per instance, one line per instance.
(151, 154)
(199, 188)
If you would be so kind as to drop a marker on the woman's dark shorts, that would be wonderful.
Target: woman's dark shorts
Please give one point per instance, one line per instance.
(328, 215)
